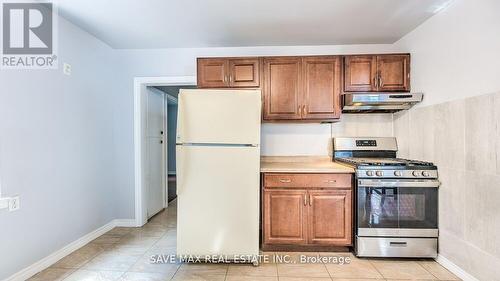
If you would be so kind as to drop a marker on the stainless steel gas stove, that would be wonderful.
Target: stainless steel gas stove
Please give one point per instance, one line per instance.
(396, 199)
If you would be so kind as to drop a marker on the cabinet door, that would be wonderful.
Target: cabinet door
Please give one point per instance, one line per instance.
(321, 88)
(360, 73)
(213, 73)
(393, 72)
(282, 80)
(329, 217)
(284, 216)
(244, 73)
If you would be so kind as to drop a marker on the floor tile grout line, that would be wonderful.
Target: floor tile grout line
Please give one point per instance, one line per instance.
(327, 271)
(81, 267)
(145, 253)
(379, 272)
(428, 271)
(171, 278)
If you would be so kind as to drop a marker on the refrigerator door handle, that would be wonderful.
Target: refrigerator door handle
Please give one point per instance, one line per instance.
(179, 173)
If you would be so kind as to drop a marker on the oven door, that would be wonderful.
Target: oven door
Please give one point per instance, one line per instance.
(392, 207)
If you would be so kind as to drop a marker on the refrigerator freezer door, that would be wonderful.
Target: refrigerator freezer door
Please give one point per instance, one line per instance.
(219, 116)
(218, 200)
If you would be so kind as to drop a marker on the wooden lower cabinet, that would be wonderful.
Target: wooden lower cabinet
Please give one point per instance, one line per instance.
(306, 215)
(329, 217)
(284, 216)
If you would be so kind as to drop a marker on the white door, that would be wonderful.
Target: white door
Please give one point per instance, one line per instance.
(156, 152)
(219, 116)
(218, 200)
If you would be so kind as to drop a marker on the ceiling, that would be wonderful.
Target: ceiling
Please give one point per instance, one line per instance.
(136, 24)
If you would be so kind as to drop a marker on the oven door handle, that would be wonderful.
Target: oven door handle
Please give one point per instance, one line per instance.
(393, 183)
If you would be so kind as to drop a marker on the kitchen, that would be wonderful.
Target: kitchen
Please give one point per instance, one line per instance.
(372, 157)
(307, 203)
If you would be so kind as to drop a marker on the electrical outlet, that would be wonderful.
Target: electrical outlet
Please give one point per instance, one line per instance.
(14, 204)
(4, 202)
(67, 68)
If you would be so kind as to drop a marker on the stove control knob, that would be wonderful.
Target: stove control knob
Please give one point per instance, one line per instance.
(425, 174)
(379, 173)
(369, 173)
(416, 173)
(397, 173)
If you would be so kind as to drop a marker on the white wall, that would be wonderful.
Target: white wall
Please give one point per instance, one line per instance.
(455, 54)
(316, 139)
(56, 150)
(455, 62)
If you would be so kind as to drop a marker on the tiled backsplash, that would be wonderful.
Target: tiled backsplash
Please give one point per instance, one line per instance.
(463, 138)
(316, 139)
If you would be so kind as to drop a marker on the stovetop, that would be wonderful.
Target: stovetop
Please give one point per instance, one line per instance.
(390, 168)
(376, 158)
(391, 162)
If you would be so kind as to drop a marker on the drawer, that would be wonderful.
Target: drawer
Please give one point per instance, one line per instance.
(307, 180)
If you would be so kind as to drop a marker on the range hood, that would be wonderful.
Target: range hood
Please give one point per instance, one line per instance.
(379, 102)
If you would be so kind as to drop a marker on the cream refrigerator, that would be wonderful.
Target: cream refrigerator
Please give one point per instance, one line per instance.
(218, 162)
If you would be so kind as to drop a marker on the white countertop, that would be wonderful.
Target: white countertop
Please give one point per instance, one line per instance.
(302, 164)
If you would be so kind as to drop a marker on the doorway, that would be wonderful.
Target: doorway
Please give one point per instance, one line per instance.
(171, 94)
(152, 98)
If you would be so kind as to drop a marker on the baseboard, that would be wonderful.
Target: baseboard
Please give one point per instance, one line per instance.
(124, 223)
(455, 269)
(51, 259)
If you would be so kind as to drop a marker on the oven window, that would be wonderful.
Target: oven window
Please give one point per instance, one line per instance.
(418, 207)
(397, 207)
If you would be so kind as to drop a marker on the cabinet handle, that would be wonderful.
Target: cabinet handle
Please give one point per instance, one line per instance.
(310, 201)
(305, 199)
(375, 80)
(330, 181)
(225, 79)
(303, 110)
(299, 110)
(230, 78)
(380, 81)
(285, 180)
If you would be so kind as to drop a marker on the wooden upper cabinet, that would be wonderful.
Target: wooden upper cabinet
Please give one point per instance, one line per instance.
(306, 88)
(228, 72)
(360, 73)
(393, 73)
(282, 92)
(284, 215)
(212, 73)
(330, 217)
(377, 73)
(321, 89)
(244, 73)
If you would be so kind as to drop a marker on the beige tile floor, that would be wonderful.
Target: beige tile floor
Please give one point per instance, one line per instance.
(123, 254)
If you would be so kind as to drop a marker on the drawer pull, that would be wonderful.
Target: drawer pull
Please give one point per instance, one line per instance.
(398, 244)
(285, 180)
(330, 181)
